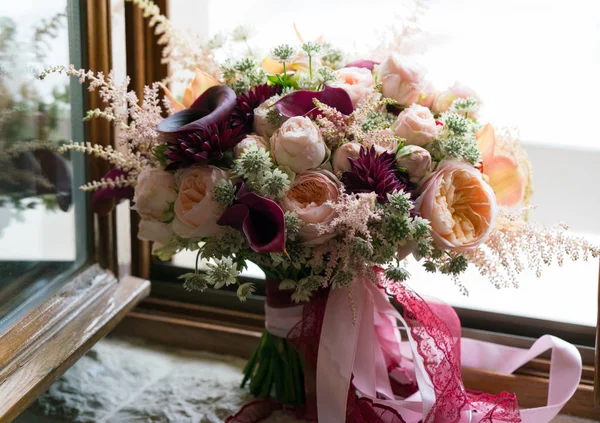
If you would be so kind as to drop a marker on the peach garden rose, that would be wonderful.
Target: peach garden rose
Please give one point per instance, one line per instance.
(308, 198)
(459, 204)
(196, 211)
(357, 82)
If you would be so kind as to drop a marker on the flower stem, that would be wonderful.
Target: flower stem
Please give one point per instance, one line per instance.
(197, 258)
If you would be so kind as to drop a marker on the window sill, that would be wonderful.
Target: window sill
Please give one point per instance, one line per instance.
(237, 333)
(41, 346)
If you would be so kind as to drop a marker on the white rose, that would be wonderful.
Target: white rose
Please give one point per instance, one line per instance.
(350, 150)
(416, 125)
(298, 144)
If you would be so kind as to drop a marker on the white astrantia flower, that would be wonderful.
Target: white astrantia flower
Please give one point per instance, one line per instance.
(244, 290)
(242, 33)
(253, 163)
(275, 183)
(287, 285)
(221, 273)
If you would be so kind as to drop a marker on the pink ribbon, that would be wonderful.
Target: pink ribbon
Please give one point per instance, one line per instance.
(358, 343)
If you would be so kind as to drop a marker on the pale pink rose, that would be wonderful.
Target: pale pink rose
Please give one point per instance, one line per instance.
(151, 230)
(261, 123)
(459, 204)
(444, 100)
(308, 198)
(416, 160)
(357, 82)
(401, 80)
(298, 144)
(340, 162)
(196, 211)
(383, 140)
(428, 96)
(256, 140)
(416, 125)
(155, 191)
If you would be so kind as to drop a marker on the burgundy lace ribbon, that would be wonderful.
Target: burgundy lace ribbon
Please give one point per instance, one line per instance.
(436, 331)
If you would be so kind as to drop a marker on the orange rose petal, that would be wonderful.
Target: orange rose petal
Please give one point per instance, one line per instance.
(272, 67)
(201, 82)
(486, 142)
(506, 180)
(176, 105)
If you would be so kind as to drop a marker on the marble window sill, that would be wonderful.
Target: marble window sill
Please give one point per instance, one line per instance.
(122, 381)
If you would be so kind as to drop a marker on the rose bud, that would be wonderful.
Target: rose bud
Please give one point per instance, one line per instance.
(416, 160)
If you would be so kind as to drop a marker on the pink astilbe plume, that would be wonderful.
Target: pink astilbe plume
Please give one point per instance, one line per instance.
(516, 245)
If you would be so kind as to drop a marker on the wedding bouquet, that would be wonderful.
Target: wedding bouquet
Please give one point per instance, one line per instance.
(327, 174)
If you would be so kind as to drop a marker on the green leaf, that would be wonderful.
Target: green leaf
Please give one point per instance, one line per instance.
(273, 79)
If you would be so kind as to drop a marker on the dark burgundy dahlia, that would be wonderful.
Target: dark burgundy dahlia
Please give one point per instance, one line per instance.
(243, 113)
(202, 145)
(372, 172)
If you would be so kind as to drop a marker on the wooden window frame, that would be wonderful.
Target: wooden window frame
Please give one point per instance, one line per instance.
(39, 346)
(216, 321)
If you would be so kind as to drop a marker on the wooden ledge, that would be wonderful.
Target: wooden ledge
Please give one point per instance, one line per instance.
(39, 348)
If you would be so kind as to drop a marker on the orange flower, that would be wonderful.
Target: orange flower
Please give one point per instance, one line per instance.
(502, 172)
(201, 82)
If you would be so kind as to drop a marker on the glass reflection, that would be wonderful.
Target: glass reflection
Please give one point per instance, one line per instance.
(37, 212)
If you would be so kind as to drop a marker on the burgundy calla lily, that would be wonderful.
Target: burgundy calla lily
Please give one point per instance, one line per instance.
(105, 199)
(212, 107)
(260, 219)
(367, 64)
(300, 103)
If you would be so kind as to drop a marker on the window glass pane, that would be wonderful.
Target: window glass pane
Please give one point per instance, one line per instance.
(534, 64)
(42, 228)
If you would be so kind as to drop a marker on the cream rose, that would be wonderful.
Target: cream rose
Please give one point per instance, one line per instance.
(416, 125)
(444, 100)
(196, 211)
(460, 205)
(416, 160)
(154, 193)
(261, 124)
(256, 140)
(298, 144)
(308, 198)
(340, 162)
(151, 230)
(400, 80)
(357, 82)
